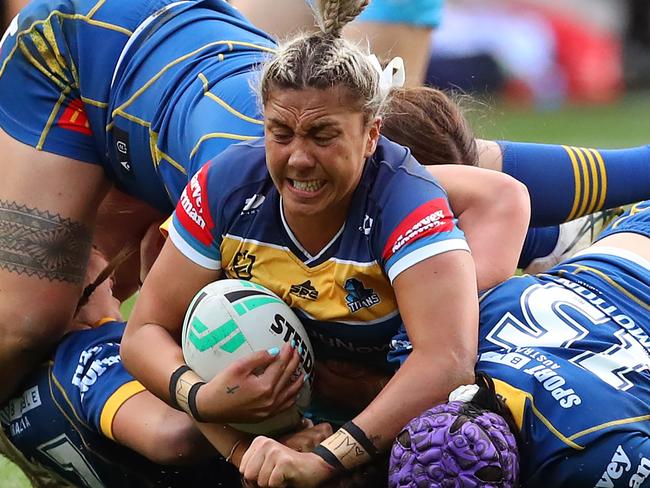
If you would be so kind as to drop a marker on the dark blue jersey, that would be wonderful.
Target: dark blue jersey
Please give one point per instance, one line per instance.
(62, 419)
(569, 352)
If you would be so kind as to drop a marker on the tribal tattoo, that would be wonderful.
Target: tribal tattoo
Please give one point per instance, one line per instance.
(38, 243)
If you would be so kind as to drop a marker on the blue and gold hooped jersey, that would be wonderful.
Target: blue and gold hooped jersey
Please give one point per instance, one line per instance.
(570, 353)
(230, 218)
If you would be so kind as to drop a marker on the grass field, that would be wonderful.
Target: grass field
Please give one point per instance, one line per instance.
(609, 126)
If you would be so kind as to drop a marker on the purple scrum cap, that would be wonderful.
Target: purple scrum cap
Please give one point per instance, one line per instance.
(455, 445)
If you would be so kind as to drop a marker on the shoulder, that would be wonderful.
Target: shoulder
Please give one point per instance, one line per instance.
(394, 168)
(239, 167)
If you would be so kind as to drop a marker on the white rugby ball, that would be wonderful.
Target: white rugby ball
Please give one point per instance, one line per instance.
(230, 319)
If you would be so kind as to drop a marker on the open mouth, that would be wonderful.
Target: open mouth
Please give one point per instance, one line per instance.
(307, 185)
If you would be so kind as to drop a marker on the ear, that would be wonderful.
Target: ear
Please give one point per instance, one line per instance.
(373, 137)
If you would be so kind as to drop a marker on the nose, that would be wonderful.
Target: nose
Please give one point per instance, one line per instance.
(300, 157)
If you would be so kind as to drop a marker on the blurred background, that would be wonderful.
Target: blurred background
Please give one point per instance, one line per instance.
(570, 71)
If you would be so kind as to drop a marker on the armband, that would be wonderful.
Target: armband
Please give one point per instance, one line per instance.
(184, 385)
(347, 448)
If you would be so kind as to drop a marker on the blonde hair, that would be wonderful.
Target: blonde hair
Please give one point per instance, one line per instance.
(325, 60)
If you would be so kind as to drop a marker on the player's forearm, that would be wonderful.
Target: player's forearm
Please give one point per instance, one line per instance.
(424, 380)
(231, 443)
(503, 210)
(489, 205)
(151, 355)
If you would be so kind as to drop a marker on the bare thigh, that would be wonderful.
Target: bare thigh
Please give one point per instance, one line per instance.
(627, 241)
(48, 205)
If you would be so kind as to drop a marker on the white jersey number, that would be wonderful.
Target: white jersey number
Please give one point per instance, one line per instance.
(548, 323)
(65, 454)
(11, 30)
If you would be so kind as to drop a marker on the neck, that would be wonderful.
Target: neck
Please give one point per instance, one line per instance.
(314, 232)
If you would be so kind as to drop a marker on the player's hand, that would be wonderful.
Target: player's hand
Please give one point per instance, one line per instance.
(308, 437)
(267, 463)
(252, 388)
(347, 384)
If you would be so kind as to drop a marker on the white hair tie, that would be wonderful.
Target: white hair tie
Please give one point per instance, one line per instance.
(393, 75)
(464, 393)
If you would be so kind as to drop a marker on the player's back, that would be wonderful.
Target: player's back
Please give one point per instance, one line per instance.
(182, 93)
(569, 353)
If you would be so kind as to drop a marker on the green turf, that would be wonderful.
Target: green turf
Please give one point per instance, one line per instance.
(606, 126)
(11, 476)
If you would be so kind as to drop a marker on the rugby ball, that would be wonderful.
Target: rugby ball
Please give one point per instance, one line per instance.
(230, 319)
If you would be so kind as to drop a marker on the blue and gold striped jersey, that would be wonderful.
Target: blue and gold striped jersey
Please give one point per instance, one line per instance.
(229, 217)
(149, 89)
(570, 354)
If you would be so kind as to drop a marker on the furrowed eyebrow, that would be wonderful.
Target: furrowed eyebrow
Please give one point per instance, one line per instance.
(323, 126)
(277, 122)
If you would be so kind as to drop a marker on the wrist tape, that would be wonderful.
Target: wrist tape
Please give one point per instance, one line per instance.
(347, 448)
(184, 384)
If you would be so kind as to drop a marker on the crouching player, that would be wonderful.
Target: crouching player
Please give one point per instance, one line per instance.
(568, 352)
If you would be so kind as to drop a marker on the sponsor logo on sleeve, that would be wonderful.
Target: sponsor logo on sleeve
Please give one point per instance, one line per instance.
(432, 217)
(90, 368)
(192, 209)
(74, 118)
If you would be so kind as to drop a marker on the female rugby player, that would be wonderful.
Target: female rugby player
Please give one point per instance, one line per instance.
(323, 197)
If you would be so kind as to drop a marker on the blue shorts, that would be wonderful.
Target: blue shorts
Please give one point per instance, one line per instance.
(56, 64)
(421, 13)
(635, 220)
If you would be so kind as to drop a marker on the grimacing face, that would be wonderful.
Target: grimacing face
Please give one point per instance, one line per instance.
(316, 145)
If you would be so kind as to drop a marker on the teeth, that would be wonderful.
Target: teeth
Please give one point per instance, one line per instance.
(311, 185)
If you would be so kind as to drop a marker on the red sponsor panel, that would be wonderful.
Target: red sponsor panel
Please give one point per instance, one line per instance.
(193, 209)
(429, 218)
(74, 118)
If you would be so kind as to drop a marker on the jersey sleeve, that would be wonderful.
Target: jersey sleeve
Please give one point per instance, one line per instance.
(99, 379)
(416, 221)
(192, 228)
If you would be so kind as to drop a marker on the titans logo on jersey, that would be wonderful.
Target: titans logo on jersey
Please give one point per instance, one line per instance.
(570, 354)
(230, 217)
